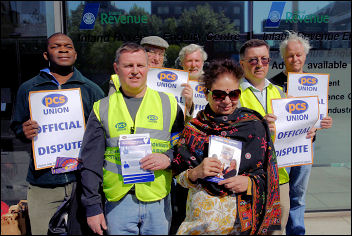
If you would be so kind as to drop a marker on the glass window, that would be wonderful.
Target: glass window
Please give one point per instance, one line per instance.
(23, 19)
(236, 10)
(163, 10)
(24, 29)
(178, 10)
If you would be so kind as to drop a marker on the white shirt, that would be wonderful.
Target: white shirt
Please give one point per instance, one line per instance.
(260, 95)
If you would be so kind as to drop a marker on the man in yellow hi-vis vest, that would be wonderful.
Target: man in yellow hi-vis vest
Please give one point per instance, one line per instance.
(141, 208)
(156, 51)
(256, 94)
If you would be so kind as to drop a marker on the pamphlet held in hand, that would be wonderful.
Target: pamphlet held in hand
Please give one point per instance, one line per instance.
(133, 147)
(228, 151)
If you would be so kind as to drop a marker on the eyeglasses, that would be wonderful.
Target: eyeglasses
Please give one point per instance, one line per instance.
(155, 52)
(220, 95)
(254, 61)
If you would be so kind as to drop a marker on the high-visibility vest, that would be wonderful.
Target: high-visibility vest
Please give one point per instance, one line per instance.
(114, 84)
(155, 116)
(249, 100)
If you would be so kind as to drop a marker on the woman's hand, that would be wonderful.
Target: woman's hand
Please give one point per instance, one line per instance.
(236, 184)
(210, 166)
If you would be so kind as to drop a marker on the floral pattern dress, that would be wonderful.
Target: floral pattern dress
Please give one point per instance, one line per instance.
(206, 214)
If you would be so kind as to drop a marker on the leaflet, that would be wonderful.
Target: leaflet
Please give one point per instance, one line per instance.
(133, 147)
(228, 151)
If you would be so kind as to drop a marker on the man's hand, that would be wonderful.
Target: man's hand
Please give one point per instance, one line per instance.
(30, 129)
(270, 119)
(187, 93)
(311, 132)
(236, 184)
(155, 161)
(210, 166)
(97, 223)
(326, 122)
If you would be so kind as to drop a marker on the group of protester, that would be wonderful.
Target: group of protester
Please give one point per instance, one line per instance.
(253, 199)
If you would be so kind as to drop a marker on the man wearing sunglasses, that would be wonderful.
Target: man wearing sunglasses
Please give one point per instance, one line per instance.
(257, 92)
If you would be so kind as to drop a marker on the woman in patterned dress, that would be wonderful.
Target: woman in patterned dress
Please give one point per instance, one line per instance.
(246, 203)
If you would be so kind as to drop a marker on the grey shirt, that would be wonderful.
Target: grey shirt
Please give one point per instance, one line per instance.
(92, 153)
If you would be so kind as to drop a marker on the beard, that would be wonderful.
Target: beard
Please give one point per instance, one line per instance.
(195, 76)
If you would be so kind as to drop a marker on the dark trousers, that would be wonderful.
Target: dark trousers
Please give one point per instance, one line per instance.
(178, 203)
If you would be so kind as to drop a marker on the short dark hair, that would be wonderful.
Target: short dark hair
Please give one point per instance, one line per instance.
(253, 43)
(129, 47)
(219, 67)
(52, 36)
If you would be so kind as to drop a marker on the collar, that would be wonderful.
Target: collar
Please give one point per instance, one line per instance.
(50, 76)
(45, 76)
(246, 84)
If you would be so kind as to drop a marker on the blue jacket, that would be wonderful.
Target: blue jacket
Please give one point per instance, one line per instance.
(90, 92)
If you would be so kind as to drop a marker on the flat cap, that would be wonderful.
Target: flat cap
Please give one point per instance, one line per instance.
(155, 41)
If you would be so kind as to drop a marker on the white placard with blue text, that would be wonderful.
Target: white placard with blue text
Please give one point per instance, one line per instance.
(168, 80)
(198, 97)
(60, 116)
(295, 117)
(310, 84)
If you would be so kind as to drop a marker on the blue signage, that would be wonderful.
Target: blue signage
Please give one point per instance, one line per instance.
(89, 16)
(274, 17)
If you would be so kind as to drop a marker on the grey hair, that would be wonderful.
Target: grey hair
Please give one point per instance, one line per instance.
(190, 49)
(293, 36)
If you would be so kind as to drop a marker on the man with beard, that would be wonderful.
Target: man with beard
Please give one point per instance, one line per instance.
(294, 51)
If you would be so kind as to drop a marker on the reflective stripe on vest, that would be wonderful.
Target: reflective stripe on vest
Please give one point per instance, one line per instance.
(249, 100)
(112, 110)
(154, 134)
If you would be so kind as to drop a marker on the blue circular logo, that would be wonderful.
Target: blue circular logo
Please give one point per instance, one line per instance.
(88, 18)
(274, 16)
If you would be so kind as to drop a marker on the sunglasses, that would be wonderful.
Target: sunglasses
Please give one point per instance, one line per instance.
(254, 61)
(220, 95)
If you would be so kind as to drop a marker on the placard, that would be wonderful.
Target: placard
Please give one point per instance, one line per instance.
(198, 97)
(295, 117)
(60, 116)
(310, 84)
(168, 80)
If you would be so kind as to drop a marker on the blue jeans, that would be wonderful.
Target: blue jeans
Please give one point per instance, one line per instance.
(129, 216)
(299, 178)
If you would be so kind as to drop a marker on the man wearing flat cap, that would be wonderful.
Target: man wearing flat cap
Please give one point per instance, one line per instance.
(155, 47)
